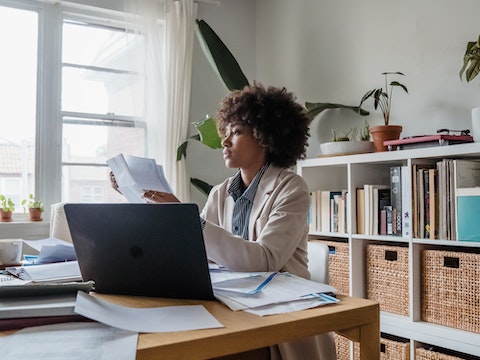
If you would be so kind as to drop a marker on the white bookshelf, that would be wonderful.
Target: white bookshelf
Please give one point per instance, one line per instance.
(352, 171)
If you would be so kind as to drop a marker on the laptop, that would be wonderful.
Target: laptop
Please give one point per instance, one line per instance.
(141, 249)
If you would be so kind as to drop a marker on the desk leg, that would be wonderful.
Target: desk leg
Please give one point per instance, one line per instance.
(370, 341)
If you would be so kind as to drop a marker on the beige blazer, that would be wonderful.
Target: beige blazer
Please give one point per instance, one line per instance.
(278, 230)
(278, 226)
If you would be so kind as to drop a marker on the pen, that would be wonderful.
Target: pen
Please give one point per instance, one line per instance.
(264, 283)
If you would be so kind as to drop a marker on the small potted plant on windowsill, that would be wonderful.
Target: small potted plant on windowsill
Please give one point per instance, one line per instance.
(383, 100)
(34, 206)
(7, 207)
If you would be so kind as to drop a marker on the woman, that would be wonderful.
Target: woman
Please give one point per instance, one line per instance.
(257, 220)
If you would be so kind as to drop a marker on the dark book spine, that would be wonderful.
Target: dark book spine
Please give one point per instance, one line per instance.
(396, 198)
(426, 200)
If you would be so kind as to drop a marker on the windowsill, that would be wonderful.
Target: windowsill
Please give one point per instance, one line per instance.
(22, 228)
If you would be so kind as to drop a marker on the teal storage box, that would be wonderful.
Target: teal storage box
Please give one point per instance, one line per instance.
(468, 214)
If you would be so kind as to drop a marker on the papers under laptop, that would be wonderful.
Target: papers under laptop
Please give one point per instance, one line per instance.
(141, 249)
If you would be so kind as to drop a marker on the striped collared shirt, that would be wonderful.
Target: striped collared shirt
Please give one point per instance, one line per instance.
(243, 199)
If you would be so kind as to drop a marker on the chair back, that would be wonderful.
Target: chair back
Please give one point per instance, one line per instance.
(318, 257)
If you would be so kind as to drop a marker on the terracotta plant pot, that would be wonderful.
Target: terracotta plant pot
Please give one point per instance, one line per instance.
(5, 216)
(384, 132)
(35, 214)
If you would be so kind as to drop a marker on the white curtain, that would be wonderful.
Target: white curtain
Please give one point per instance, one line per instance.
(168, 27)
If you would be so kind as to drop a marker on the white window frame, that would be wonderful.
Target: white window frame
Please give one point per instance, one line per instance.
(48, 138)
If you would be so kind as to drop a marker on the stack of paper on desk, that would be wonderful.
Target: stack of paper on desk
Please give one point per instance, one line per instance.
(48, 250)
(55, 272)
(267, 293)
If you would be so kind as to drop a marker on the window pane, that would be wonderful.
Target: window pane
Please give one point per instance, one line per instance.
(100, 98)
(18, 74)
(88, 184)
(89, 146)
(101, 46)
(100, 92)
(97, 76)
(94, 144)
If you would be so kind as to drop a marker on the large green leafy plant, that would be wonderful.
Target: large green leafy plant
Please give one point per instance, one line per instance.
(227, 68)
(231, 75)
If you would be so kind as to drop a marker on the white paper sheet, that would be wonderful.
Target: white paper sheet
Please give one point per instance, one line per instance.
(135, 174)
(60, 271)
(160, 319)
(282, 288)
(93, 341)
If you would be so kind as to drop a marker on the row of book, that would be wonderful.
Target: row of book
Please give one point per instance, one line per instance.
(428, 200)
(446, 200)
(328, 211)
(385, 209)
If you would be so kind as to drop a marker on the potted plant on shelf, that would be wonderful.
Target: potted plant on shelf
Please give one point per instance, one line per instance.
(34, 206)
(471, 68)
(7, 207)
(383, 100)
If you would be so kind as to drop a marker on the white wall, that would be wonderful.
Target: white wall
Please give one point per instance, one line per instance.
(336, 50)
(331, 50)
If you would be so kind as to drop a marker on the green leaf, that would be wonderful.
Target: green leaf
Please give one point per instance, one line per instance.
(471, 60)
(208, 132)
(182, 150)
(313, 109)
(220, 57)
(202, 186)
(396, 83)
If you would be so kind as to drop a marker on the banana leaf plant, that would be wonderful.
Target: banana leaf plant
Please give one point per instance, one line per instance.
(231, 75)
(471, 60)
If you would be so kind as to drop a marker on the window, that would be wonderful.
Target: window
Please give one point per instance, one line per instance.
(98, 108)
(18, 73)
(67, 82)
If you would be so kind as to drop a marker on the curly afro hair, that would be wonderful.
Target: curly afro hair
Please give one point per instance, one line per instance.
(274, 116)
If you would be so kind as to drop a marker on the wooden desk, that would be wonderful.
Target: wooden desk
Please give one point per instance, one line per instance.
(355, 318)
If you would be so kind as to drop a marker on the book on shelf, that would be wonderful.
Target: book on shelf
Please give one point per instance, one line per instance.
(442, 200)
(360, 192)
(325, 211)
(396, 198)
(312, 212)
(468, 214)
(406, 177)
(334, 209)
(381, 199)
(433, 202)
(389, 219)
(426, 200)
(319, 210)
(418, 198)
(375, 198)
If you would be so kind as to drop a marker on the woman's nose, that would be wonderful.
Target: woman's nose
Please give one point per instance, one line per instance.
(226, 141)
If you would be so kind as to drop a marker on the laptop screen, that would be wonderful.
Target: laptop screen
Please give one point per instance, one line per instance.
(141, 249)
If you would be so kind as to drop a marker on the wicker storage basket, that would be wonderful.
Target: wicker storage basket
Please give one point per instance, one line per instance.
(390, 349)
(394, 349)
(338, 266)
(387, 277)
(425, 354)
(342, 345)
(451, 289)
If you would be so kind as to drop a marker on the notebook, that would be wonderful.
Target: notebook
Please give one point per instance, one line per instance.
(141, 249)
